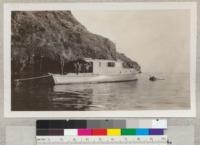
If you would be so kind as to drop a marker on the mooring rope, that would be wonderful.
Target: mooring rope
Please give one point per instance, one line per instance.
(32, 78)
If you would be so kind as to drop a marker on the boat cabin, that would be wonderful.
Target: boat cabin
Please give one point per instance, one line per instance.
(102, 66)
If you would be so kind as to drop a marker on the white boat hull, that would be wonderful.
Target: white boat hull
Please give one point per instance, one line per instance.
(91, 78)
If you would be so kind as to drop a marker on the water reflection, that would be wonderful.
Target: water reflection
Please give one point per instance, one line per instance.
(172, 93)
(102, 96)
(71, 98)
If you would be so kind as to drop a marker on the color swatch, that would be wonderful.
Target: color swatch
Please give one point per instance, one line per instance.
(96, 128)
(101, 132)
(128, 131)
(129, 123)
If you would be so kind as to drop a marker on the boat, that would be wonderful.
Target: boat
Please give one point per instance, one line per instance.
(97, 71)
(153, 78)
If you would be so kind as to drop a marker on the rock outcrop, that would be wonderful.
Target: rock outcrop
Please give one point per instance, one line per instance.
(41, 40)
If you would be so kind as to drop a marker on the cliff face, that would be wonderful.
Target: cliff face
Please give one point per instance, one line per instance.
(41, 40)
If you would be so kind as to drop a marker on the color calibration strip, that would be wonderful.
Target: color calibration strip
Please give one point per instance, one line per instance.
(129, 123)
(99, 132)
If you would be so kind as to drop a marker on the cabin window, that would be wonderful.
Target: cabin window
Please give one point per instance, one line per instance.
(99, 64)
(83, 67)
(111, 64)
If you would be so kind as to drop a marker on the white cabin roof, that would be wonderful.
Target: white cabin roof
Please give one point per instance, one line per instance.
(101, 60)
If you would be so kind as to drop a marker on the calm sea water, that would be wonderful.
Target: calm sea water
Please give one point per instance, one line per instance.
(170, 93)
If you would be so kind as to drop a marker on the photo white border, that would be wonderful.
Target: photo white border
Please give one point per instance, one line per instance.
(8, 7)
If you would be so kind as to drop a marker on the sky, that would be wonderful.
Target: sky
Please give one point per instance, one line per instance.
(159, 40)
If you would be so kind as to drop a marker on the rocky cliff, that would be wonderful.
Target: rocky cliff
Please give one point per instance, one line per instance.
(41, 40)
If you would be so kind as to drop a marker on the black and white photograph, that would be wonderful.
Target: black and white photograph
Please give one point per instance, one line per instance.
(77, 60)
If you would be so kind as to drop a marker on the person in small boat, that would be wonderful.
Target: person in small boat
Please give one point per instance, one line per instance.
(153, 78)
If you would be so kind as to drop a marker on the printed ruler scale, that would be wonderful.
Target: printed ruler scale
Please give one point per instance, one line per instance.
(102, 140)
